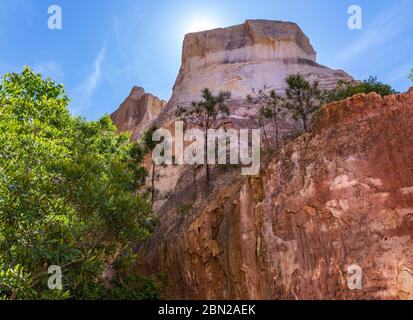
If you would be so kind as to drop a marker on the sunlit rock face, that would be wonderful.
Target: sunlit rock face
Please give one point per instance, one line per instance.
(258, 54)
(338, 197)
(137, 112)
(254, 55)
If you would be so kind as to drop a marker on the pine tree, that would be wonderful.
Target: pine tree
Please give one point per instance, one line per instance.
(205, 113)
(274, 110)
(303, 98)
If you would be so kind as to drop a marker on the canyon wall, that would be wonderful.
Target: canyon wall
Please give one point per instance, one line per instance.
(339, 196)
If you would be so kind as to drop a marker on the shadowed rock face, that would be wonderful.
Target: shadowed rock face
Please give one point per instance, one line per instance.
(340, 196)
(137, 112)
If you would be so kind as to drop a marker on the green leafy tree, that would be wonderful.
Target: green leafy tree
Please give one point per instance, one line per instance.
(67, 195)
(205, 114)
(303, 98)
(348, 89)
(149, 145)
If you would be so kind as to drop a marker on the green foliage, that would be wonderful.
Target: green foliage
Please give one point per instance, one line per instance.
(136, 287)
(259, 100)
(303, 98)
(206, 111)
(275, 110)
(67, 193)
(148, 145)
(130, 287)
(348, 89)
(270, 107)
(411, 75)
(147, 140)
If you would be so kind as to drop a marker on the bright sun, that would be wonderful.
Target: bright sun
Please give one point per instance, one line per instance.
(200, 24)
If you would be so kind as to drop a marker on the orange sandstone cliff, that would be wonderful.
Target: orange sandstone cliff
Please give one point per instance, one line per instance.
(339, 196)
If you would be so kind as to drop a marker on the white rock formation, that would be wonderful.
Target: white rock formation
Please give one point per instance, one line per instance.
(257, 54)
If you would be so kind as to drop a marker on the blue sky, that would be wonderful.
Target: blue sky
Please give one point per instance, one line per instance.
(106, 47)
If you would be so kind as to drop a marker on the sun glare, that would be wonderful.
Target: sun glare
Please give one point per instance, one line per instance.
(200, 24)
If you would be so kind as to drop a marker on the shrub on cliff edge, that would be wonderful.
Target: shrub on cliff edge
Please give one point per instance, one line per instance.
(348, 89)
